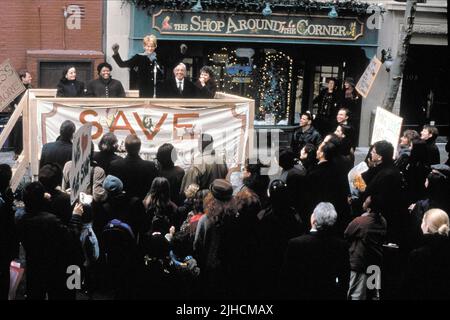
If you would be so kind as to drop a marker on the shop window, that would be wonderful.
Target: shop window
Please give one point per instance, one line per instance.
(321, 74)
(265, 76)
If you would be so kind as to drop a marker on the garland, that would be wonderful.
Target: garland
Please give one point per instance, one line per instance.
(343, 7)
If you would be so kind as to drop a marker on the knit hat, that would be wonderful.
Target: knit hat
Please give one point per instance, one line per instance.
(112, 185)
(221, 189)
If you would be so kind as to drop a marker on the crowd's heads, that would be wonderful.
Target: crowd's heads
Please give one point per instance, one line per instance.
(50, 175)
(25, 76)
(308, 152)
(254, 176)
(331, 83)
(112, 185)
(221, 189)
(159, 193)
(104, 70)
(278, 193)
(287, 159)
(5, 176)
(248, 205)
(200, 196)
(418, 152)
(324, 216)
(69, 73)
(180, 71)
(132, 144)
(166, 155)
(108, 143)
(408, 137)
(429, 133)
(33, 197)
(438, 185)
(206, 70)
(349, 81)
(67, 130)
(342, 115)
(305, 119)
(343, 131)
(435, 221)
(149, 43)
(383, 149)
(327, 151)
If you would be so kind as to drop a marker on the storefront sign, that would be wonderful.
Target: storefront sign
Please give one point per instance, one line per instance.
(168, 22)
(10, 84)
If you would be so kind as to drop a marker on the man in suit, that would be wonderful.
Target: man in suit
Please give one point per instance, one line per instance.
(316, 265)
(135, 173)
(179, 86)
(59, 151)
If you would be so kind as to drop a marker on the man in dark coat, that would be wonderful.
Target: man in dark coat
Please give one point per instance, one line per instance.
(105, 85)
(59, 151)
(50, 246)
(316, 265)
(327, 183)
(51, 175)
(135, 173)
(384, 183)
(305, 134)
(179, 86)
(429, 134)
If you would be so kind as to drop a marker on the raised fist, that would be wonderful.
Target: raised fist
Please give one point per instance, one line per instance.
(115, 48)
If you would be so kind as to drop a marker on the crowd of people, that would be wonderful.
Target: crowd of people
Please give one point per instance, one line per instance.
(153, 230)
(156, 231)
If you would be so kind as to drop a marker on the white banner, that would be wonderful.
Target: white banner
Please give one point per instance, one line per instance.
(155, 125)
(80, 172)
(387, 126)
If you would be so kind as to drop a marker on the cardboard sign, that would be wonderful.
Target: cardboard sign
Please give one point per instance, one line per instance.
(367, 79)
(387, 126)
(10, 84)
(80, 172)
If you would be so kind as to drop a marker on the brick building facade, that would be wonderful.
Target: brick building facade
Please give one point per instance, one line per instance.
(46, 35)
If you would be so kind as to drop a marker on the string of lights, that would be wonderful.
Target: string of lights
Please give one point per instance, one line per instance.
(343, 7)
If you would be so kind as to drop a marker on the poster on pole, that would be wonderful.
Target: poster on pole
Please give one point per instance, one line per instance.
(80, 172)
(368, 77)
(387, 126)
(10, 84)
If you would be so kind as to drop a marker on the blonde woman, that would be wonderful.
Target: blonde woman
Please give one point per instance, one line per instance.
(146, 64)
(428, 275)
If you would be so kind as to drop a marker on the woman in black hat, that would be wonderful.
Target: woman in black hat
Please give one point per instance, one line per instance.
(210, 238)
